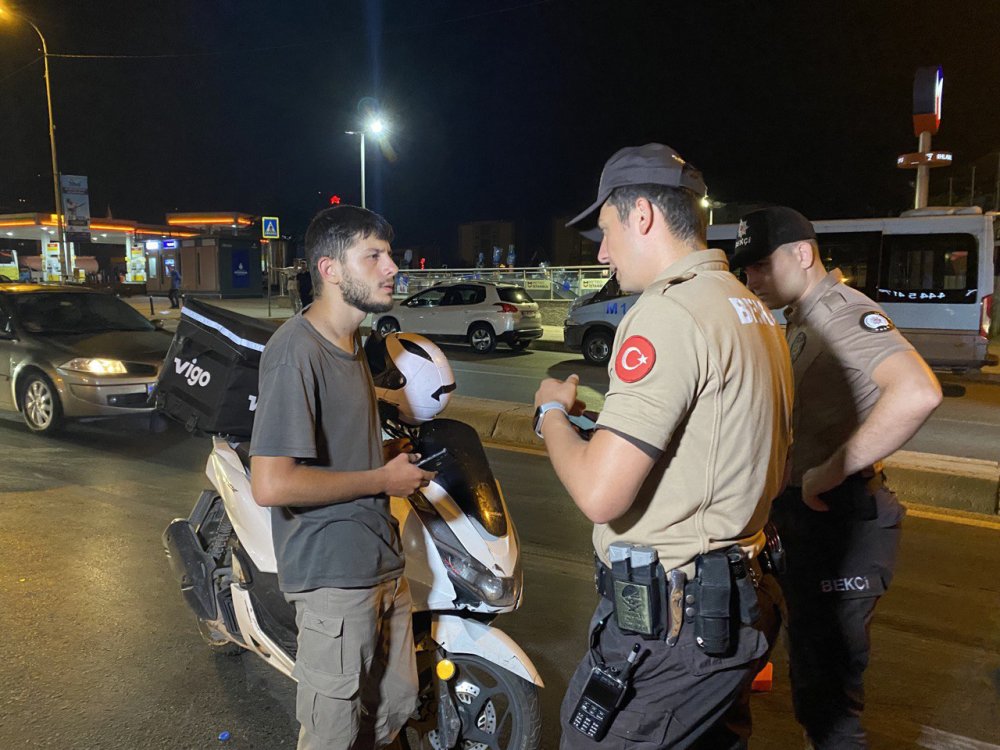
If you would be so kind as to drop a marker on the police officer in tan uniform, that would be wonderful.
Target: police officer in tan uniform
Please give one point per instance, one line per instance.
(678, 476)
(861, 392)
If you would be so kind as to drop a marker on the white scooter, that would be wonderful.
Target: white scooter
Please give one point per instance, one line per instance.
(478, 689)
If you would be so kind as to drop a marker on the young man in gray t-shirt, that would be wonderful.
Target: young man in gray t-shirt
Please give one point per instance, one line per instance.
(318, 463)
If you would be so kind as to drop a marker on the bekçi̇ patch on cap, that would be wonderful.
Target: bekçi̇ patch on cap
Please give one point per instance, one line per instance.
(761, 232)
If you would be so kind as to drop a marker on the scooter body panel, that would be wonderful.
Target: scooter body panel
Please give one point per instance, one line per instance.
(460, 635)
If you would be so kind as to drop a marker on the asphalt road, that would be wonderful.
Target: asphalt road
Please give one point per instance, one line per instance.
(966, 425)
(100, 652)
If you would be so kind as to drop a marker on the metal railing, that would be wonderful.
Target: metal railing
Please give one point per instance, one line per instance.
(542, 283)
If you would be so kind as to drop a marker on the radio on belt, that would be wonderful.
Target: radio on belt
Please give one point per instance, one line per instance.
(601, 698)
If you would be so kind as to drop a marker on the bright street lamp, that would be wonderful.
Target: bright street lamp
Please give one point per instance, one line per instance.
(375, 126)
(57, 191)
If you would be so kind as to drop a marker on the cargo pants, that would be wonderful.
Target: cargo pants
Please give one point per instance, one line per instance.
(356, 668)
(839, 563)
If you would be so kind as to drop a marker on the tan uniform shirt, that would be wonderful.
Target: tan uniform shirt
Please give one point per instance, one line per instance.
(701, 379)
(837, 337)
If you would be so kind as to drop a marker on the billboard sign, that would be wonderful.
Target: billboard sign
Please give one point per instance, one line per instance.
(76, 207)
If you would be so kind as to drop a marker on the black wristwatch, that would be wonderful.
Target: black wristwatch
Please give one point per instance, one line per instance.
(536, 423)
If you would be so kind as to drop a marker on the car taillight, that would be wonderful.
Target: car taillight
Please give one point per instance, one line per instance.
(506, 308)
(987, 316)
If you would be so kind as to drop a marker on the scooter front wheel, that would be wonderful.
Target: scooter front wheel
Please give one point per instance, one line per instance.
(498, 710)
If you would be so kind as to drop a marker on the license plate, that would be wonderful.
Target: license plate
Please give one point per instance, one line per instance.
(529, 314)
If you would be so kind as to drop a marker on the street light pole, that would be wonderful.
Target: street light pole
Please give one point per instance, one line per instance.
(56, 187)
(363, 203)
(376, 127)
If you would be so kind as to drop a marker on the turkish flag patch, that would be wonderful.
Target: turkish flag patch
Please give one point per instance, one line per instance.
(635, 359)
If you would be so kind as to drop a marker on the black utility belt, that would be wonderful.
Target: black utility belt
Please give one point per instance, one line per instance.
(656, 604)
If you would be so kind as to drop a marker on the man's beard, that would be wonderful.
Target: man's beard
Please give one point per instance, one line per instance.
(358, 295)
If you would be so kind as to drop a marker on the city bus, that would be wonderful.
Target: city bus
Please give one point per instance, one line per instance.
(932, 269)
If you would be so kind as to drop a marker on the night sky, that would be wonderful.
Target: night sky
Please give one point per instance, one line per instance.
(504, 109)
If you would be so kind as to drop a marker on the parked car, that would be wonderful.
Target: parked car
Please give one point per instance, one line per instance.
(591, 321)
(69, 352)
(479, 312)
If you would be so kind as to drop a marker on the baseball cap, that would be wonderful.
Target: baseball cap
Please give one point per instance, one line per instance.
(652, 164)
(594, 235)
(761, 232)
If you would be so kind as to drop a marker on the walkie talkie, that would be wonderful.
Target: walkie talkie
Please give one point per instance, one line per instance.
(601, 698)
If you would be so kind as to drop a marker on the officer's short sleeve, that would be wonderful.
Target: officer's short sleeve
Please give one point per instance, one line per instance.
(863, 337)
(285, 417)
(658, 367)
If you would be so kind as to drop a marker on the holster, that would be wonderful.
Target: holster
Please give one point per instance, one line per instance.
(722, 596)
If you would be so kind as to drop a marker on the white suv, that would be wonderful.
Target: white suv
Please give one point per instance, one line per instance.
(479, 312)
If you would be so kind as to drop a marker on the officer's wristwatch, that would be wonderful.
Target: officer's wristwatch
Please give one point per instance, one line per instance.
(540, 412)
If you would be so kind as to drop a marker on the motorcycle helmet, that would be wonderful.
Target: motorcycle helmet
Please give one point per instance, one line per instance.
(411, 373)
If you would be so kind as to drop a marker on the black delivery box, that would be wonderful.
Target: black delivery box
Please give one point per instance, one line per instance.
(209, 379)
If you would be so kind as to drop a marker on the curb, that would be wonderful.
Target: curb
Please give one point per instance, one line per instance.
(964, 484)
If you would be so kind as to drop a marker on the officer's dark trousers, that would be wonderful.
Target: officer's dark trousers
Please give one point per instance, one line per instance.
(838, 565)
(679, 697)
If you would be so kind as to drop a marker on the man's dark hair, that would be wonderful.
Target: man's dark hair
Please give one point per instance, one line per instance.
(682, 209)
(335, 229)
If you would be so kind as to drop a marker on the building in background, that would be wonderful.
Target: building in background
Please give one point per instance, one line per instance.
(477, 237)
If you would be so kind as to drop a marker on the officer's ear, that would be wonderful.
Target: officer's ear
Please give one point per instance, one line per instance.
(642, 215)
(806, 254)
(329, 269)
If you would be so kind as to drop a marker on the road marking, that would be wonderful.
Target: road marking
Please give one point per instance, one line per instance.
(935, 739)
(514, 448)
(938, 420)
(495, 373)
(961, 518)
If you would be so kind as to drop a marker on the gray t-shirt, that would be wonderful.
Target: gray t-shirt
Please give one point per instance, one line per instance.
(317, 404)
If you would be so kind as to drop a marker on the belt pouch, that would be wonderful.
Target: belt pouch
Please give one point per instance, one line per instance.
(639, 594)
(712, 620)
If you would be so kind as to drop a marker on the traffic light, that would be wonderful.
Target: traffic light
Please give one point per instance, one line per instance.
(422, 261)
(334, 200)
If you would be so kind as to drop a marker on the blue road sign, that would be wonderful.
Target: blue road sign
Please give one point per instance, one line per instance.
(269, 227)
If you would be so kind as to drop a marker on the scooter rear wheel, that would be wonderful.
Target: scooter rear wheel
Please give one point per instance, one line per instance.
(499, 711)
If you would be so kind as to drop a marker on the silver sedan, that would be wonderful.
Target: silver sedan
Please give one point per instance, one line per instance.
(70, 353)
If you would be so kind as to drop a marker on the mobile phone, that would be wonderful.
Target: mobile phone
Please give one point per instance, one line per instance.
(431, 458)
(586, 422)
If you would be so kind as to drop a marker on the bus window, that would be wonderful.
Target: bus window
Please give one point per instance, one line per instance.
(855, 254)
(929, 268)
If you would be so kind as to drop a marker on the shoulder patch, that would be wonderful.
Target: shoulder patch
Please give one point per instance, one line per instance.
(635, 359)
(674, 281)
(876, 322)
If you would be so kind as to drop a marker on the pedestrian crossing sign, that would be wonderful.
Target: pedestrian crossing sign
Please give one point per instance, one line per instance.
(269, 227)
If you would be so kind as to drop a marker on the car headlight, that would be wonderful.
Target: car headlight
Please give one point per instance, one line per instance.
(471, 575)
(96, 366)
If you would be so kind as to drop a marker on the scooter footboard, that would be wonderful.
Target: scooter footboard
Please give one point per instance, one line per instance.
(464, 636)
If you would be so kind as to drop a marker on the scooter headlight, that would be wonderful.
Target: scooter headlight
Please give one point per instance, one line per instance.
(472, 576)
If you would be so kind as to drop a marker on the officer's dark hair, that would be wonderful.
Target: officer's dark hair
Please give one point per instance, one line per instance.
(681, 208)
(335, 229)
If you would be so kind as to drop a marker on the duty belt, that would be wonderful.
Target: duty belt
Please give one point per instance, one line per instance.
(687, 600)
